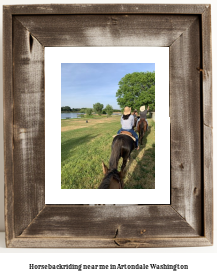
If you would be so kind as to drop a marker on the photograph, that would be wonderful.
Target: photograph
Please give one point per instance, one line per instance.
(107, 125)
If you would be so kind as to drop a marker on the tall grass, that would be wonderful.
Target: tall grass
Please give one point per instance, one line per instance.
(85, 145)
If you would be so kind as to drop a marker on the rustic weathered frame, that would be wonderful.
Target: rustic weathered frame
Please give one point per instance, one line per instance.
(186, 29)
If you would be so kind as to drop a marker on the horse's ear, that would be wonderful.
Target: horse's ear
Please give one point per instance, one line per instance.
(105, 168)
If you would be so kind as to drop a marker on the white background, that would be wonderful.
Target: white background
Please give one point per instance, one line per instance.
(53, 192)
(202, 260)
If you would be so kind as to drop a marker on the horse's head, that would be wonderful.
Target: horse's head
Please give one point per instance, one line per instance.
(112, 179)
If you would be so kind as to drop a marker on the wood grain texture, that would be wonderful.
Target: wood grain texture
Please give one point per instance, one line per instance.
(8, 125)
(69, 242)
(107, 30)
(29, 139)
(106, 9)
(207, 122)
(207, 67)
(108, 243)
(29, 223)
(109, 221)
(208, 183)
(186, 133)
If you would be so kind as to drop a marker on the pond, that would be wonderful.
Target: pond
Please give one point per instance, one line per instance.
(70, 115)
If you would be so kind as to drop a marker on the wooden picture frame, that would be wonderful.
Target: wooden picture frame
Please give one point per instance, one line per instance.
(186, 30)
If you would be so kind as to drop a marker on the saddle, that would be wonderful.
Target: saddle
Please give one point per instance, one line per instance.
(126, 133)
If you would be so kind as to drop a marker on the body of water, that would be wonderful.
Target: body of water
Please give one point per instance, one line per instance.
(70, 115)
(77, 115)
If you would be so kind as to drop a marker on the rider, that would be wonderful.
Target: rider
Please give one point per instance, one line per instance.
(135, 113)
(143, 114)
(127, 123)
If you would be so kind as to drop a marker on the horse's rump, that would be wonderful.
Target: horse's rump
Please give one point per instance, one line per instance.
(142, 125)
(122, 146)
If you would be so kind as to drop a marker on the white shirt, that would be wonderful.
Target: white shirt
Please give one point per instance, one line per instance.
(127, 124)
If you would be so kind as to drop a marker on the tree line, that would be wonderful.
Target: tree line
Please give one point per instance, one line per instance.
(69, 109)
(97, 108)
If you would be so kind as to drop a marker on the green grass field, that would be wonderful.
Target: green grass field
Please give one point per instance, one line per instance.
(85, 145)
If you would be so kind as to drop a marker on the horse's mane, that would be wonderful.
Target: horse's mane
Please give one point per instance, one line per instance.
(106, 180)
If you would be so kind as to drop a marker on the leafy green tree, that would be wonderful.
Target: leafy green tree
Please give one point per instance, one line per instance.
(83, 110)
(97, 107)
(66, 108)
(75, 109)
(89, 111)
(137, 89)
(109, 110)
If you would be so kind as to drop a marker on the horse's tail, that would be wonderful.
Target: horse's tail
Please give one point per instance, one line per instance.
(116, 153)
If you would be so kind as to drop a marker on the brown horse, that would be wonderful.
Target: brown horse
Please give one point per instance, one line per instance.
(122, 146)
(141, 127)
(112, 179)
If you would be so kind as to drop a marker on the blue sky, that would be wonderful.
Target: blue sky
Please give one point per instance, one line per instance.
(82, 84)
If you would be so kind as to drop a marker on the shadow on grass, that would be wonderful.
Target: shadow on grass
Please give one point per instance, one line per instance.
(69, 145)
(144, 140)
(143, 175)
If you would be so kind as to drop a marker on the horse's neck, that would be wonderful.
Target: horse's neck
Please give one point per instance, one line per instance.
(115, 155)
